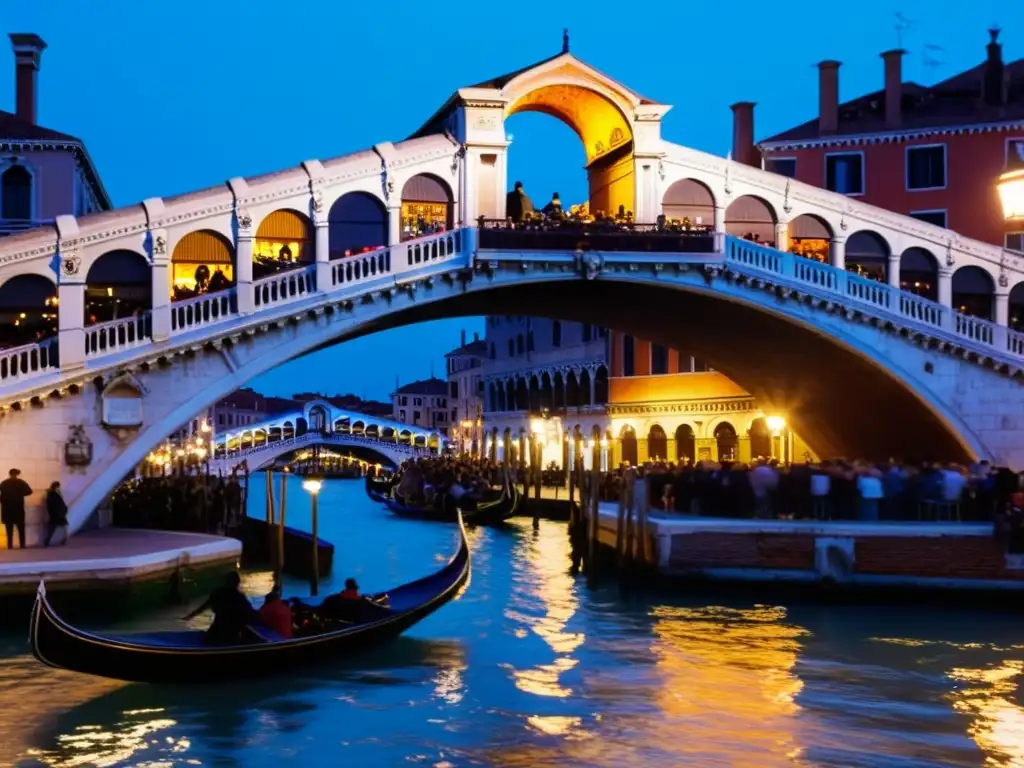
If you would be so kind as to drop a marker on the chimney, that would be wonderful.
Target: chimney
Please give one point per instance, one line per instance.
(28, 49)
(476, 336)
(994, 78)
(743, 150)
(828, 96)
(462, 342)
(893, 87)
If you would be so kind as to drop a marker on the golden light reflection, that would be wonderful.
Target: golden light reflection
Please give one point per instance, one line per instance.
(546, 555)
(988, 696)
(730, 671)
(91, 745)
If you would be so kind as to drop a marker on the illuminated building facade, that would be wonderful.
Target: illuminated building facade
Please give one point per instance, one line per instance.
(466, 394)
(543, 377)
(669, 406)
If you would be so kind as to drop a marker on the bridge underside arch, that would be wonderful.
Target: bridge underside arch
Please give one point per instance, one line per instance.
(606, 135)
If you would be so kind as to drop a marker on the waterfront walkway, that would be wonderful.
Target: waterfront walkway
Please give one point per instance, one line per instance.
(113, 553)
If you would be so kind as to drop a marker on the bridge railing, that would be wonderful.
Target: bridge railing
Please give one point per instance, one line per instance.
(917, 310)
(278, 446)
(116, 335)
(284, 287)
(199, 311)
(612, 237)
(28, 360)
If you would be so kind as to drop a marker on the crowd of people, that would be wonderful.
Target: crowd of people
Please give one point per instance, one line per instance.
(433, 481)
(196, 503)
(837, 489)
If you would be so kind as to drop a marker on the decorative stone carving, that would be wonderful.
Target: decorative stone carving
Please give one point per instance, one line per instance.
(950, 258)
(70, 264)
(78, 447)
(121, 402)
(244, 218)
(318, 201)
(728, 180)
(786, 205)
(589, 264)
(661, 170)
(842, 222)
(159, 245)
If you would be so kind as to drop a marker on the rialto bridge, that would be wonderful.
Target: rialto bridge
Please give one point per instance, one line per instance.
(320, 423)
(161, 308)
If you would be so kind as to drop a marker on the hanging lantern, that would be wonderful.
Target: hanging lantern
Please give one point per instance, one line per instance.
(1011, 194)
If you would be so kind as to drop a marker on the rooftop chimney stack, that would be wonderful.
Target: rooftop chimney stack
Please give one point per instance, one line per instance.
(994, 79)
(462, 342)
(893, 87)
(828, 96)
(743, 149)
(28, 50)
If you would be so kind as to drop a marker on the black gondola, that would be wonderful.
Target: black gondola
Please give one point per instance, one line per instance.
(377, 488)
(182, 657)
(486, 513)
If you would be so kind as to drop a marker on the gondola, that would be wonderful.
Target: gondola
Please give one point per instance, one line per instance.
(377, 488)
(487, 513)
(182, 656)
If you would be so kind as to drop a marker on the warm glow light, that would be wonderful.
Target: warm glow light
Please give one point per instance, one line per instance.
(312, 484)
(1011, 194)
(775, 423)
(206, 427)
(537, 426)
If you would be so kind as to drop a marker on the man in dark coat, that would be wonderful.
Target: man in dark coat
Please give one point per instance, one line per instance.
(13, 492)
(518, 203)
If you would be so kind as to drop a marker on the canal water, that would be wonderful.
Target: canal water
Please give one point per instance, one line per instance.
(530, 668)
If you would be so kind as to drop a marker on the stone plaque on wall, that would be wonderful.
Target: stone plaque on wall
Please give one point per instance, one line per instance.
(122, 403)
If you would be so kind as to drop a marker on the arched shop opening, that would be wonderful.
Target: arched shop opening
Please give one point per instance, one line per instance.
(202, 262)
(867, 255)
(119, 284)
(28, 311)
(428, 206)
(356, 223)
(919, 273)
(284, 241)
(751, 218)
(973, 290)
(810, 236)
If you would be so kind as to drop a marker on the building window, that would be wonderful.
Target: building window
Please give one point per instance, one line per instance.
(520, 346)
(401, 415)
(453, 389)
(415, 417)
(926, 167)
(454, 415)
(844, 173)
(628, 363)
(404, 400)
(556, 334)
(443, 403)
(16, 193)
(938, 218)
(511, 348)
(784, 166)
(529, 341)
(417, 401)
(1014, 154)
(1015, 241)
(587, 332)
(659, 360)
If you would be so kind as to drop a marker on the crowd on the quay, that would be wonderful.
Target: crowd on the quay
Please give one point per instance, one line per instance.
(836, 489)
(197, 503)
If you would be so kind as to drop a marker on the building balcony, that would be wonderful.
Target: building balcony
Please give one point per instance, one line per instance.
(609, 236)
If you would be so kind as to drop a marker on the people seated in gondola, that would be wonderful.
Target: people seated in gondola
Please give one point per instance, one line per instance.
(275, 614)
(232, 612)
(460, 496)
(351, 591)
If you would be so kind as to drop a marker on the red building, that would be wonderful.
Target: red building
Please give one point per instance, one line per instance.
(933, 152)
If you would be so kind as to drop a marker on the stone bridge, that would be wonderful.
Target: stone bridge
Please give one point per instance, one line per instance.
(860, 367)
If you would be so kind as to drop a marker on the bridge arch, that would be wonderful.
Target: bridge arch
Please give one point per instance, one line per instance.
(810, 236)
(428, 205)
(118, 284)
(202, 260)
(686, 443)
(28, 309)
(689, 199)
(283, 240)
(867, 253)
(974, 292)
(357, 221)
(919, 272)
(751, 217)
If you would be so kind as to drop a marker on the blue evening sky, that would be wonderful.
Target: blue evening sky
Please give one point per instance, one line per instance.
(172, 97)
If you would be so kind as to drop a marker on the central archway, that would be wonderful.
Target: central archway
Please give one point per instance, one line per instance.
(604, 130)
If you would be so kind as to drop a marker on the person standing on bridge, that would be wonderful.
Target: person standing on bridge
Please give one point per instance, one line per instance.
(518, 204)
(13, 492)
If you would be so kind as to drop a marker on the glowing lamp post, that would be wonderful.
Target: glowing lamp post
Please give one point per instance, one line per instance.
(312, 485)
(776, 424)
(1011, 194)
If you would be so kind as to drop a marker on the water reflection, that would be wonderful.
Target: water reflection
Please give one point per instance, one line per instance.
(532, 669)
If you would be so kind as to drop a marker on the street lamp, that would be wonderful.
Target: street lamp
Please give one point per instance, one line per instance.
(775, 423)
(312, 485)
(1011, 194)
